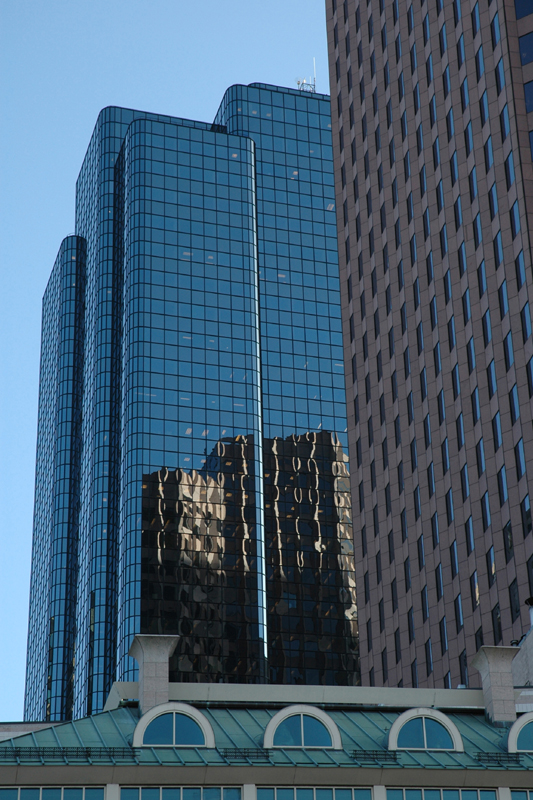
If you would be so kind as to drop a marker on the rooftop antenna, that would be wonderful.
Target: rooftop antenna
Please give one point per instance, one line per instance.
(304, 86)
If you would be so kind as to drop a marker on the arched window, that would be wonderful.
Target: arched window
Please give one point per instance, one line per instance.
(521, 734)
(302, 726)
(424, 729)
(173, 725)
(174, 729)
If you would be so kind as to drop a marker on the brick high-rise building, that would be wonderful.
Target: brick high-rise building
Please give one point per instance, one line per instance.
(434, 192)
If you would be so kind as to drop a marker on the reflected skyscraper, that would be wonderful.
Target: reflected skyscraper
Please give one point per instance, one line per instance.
(192, 459)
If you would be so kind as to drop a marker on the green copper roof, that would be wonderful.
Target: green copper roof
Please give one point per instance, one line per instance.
(107, 737)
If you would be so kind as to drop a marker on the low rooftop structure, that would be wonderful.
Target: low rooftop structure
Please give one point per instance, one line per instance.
(234, 742)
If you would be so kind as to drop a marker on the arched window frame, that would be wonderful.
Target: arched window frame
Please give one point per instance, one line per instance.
(514, 732)
(311, 711)
(177, 708)
(432, 713)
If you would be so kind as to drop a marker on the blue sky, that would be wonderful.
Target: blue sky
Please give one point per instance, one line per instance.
(61, 62)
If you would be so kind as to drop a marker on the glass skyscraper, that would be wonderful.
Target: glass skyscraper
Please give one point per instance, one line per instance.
(192, 468)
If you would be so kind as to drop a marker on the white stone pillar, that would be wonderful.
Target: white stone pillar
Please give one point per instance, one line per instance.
(495, 667)
(152, 653)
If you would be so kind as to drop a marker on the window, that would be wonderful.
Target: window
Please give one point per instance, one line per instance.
(465, 98)
(520, 269)
(480, 457)
(427, 431)
(454, 169)
(495, 30)
(458, 213)
(456, 383)
(509, 170)
(505, 127)
(526, 48)
(525, 511)
(496, 624)
(443, 636)
(497, 431)
(469, 139)
(429, 70)
(436, 153)
(514, 405)
(432, 111)
(308, 727)
(489, 156)
(525, 317)
(474, 590)
(493, 201)
(458, 606)
(508, 351)
(443, 41)
(465, 486)
(446, 81)
(503, 299)
(487, 328)
(472, 183)
(460, 431)
(475, 20)
(440, 196)
(412, 55)
(481, 279)
(520, 459)
(454, 563)
(521, 735)
(445, 456)
(498, 249)
(491, 566)
(438, 582)
(181, 725)
(460, 51)
(449, 507)
(480, 63)
(508, 542)
(441, 406)
(430, 730)
(435, 529)
(515, 219)
(502, 486)
(425, 29)
(491, 378)
(500, 77)
(424, 603)
(476, 409)
(451, 333)
(469, 535)
(478, 236)
(484, 108)
(485, 511)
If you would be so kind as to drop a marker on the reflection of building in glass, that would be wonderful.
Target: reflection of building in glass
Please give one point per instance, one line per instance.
(312, 614)
(198, 567)
(205, 312)
(199, 563)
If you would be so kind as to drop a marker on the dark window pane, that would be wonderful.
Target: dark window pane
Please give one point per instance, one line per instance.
(437, 737)
(315, 733)
(411, 736)
(159, 731)
(289, 733)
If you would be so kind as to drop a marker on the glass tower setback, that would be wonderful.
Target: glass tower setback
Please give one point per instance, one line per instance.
(192, 471)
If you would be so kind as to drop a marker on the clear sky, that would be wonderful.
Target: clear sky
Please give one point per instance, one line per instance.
(61, 61)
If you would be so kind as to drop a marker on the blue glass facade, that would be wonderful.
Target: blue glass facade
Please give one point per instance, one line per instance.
(194, 478)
